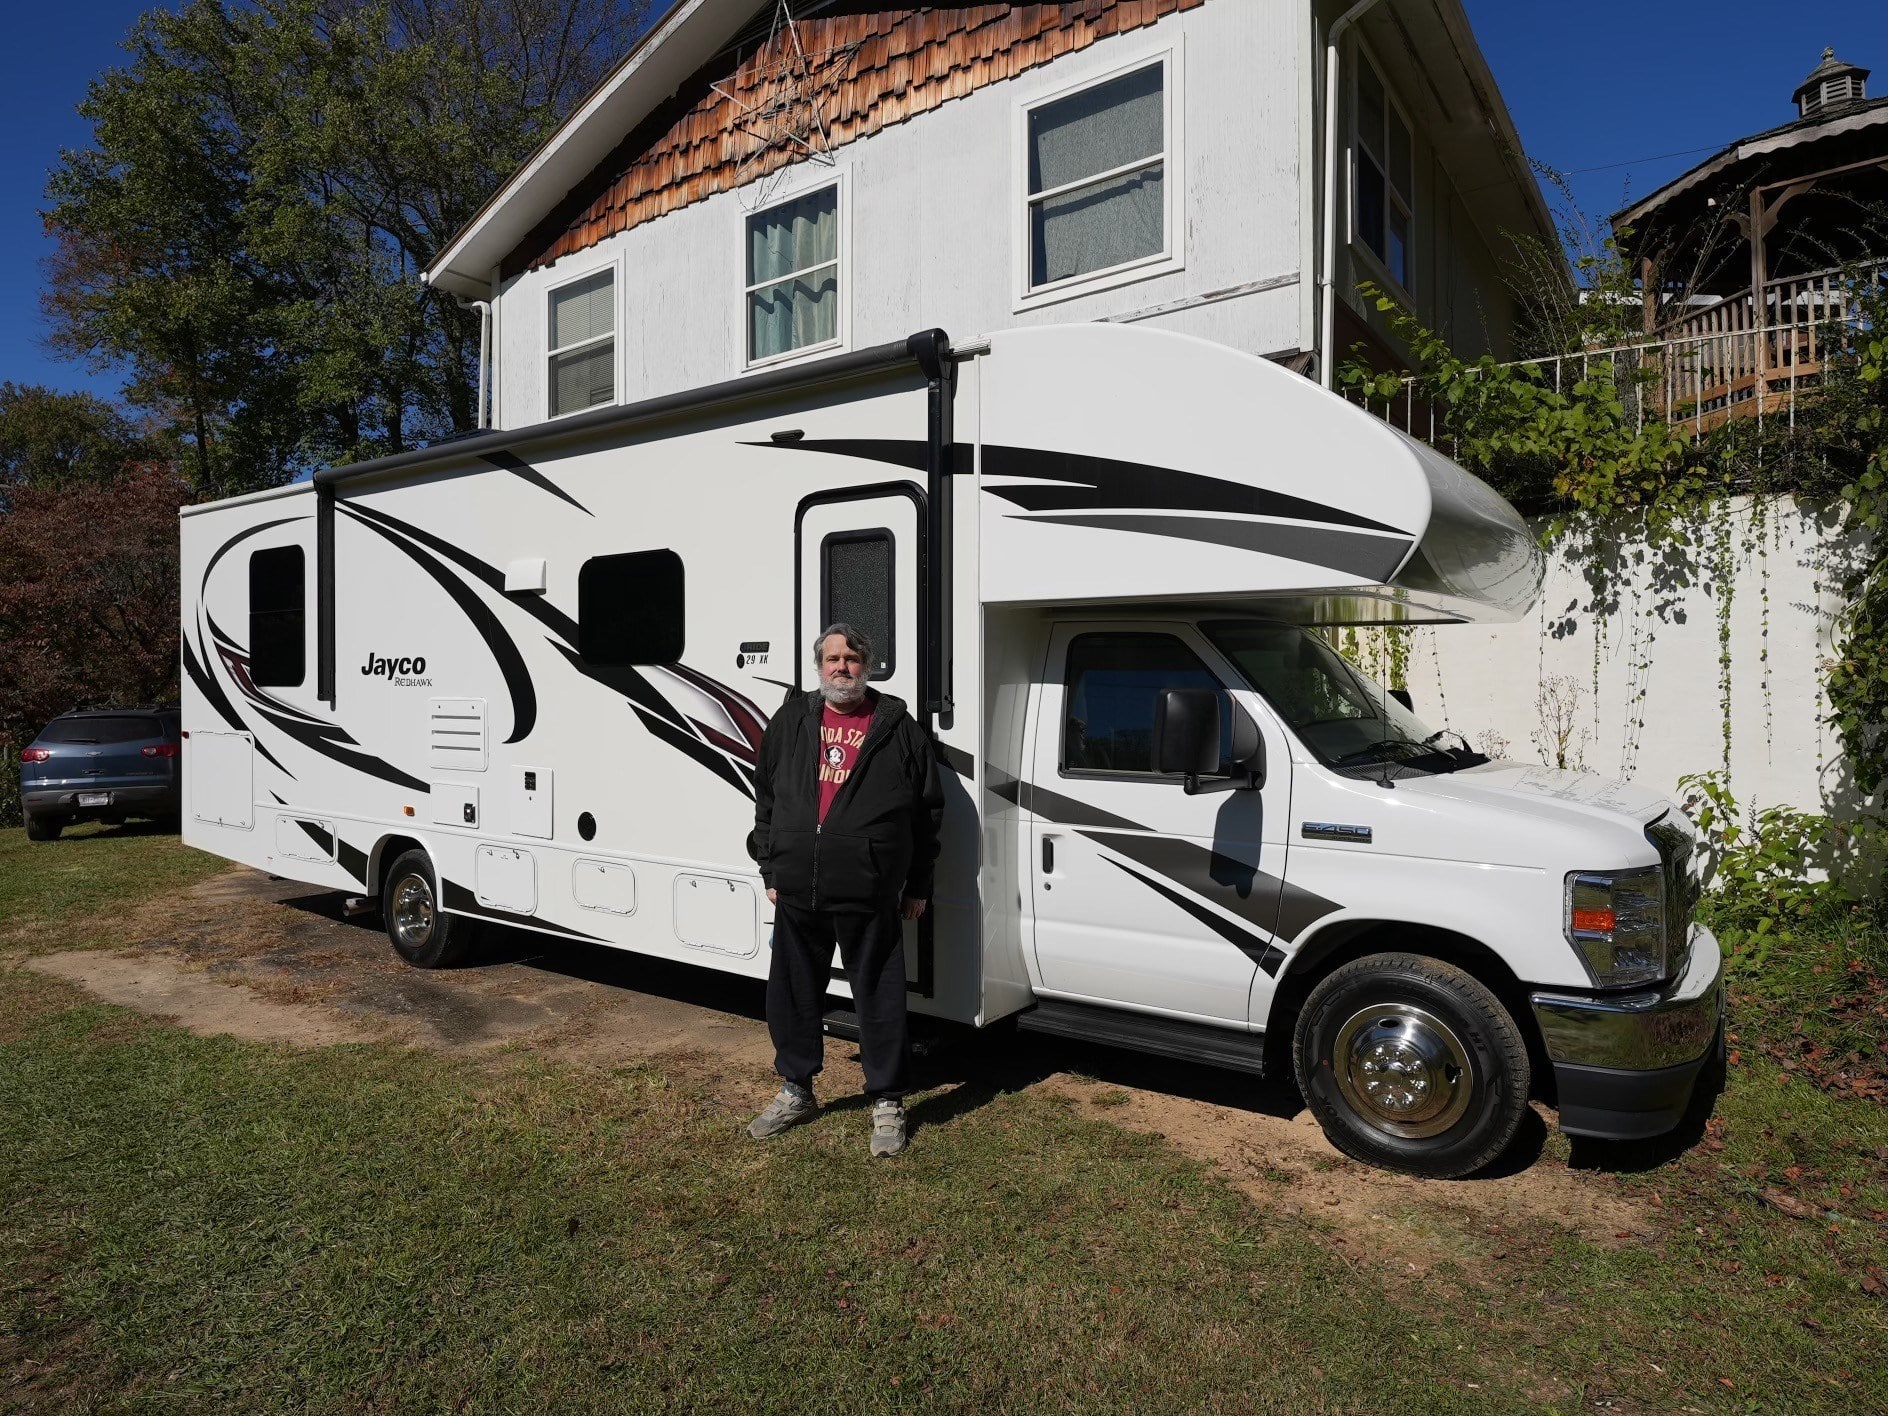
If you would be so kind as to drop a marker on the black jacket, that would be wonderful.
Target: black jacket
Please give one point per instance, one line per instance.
(879, 839)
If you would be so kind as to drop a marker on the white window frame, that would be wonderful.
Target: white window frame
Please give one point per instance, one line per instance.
(1380, 265)
(1173, 160)
(805, 186)
(615, 266)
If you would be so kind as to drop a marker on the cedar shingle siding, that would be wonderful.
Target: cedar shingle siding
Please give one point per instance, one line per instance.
(908, 61)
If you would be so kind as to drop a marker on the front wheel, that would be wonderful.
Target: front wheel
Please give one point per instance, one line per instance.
(422, 933)
(1411, 1064)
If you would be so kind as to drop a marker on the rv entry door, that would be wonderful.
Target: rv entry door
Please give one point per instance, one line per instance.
(1144, 897)
(859, 554)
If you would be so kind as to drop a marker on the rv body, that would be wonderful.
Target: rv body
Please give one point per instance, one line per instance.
(545, 659)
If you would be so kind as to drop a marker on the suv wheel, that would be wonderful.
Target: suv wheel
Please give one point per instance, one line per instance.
(1411, 1064)
(422, 933)
(43, 828)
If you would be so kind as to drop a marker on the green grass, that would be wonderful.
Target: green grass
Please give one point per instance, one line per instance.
(201, 1224)
(89, 872)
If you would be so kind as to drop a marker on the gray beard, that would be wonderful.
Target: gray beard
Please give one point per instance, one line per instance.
(842, 695)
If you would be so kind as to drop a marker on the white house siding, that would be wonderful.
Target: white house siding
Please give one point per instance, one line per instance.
(1663, 641)
(930, 224)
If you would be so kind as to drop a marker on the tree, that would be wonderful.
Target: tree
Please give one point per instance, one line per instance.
(265, 182)
(52, 439)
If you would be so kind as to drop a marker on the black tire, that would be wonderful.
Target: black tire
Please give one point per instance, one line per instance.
(1410, 1064)
(43, 828)
(421, 932)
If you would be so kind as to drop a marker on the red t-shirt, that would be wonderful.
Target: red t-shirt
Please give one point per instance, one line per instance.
(839, 737)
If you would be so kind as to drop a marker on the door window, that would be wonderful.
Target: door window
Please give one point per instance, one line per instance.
(856, 589)
(1114, 681)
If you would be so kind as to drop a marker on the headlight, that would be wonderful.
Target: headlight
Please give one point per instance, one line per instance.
(1616, 921)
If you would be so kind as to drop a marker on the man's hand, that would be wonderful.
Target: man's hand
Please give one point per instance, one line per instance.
(773, 897)
(913, 908)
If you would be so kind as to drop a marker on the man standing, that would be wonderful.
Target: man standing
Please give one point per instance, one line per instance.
(846, 815)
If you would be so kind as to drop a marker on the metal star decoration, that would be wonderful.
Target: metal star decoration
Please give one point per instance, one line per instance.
(788, 90)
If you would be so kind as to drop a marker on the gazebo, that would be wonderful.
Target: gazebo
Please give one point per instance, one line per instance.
(1742, 259)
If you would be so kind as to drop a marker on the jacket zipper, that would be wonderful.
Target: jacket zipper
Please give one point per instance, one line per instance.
(818, 826)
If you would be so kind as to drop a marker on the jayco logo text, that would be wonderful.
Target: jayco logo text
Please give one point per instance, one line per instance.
(404, 673)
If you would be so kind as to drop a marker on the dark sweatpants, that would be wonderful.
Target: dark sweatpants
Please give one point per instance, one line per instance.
(871, 948)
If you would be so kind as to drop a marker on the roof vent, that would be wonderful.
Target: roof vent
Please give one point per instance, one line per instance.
(1832, 85)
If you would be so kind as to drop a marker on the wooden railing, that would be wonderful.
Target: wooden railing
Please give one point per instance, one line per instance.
(1735, 358)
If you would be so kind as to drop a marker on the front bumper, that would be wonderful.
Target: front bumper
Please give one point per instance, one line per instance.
(1625, 1065)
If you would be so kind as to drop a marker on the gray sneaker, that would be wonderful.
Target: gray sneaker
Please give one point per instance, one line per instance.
(793, 1106)
(888, 1128)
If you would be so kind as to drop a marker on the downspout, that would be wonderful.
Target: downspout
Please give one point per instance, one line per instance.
(484, 307)
(1327, 275)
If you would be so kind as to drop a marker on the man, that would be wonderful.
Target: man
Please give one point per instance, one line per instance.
(846, 816)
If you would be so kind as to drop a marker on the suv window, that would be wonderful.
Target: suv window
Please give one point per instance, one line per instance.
(1113, 683)
(101, 730)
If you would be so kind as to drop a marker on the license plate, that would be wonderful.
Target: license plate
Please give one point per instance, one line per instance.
(94, 798)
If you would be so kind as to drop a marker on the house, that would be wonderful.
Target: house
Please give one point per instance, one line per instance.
(760, 183)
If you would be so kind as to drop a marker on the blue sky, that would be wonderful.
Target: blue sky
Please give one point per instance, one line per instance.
(1633, 87)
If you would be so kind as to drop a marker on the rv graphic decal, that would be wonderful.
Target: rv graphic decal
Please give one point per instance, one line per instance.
(1266, 955)
(401, 671)
(518, 467)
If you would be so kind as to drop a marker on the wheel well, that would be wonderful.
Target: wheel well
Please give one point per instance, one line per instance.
(386, 851)
(1331, 948)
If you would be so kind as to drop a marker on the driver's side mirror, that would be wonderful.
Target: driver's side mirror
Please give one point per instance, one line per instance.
(1186, 741)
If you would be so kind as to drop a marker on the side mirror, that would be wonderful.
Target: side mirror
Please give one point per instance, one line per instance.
(1401, 695)
(1186, 731)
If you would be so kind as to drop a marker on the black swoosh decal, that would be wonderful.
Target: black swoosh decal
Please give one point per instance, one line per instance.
(1239, 888)
(1064, 811)
(325, 740)
(524, 699)
(1266, 955)
(957, 760)
(518, 467)
(460, 900)
(1374, 558)
(244, 535)
(207, 685)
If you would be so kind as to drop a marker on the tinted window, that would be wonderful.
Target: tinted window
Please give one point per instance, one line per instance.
(629, 609)
(857, 590)
(1113, 682)
(100, 730)
(278, 599)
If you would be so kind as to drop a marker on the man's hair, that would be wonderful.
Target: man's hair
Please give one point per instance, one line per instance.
(855, 641)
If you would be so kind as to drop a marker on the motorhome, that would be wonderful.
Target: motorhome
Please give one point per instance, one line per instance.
(522, 678)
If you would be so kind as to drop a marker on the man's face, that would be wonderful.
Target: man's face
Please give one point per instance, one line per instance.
(841, 670)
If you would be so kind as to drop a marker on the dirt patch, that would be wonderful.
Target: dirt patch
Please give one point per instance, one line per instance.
(272, 960)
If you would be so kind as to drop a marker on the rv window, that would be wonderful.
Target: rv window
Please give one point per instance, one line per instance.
(856, 589)
(1097, 178)
(1113, 682)
(793, 275)
(629, 609)
(583, 343)
(278, 598)
(1385, 200)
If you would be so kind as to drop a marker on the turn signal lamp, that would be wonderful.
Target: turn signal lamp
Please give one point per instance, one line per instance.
(1594, 921)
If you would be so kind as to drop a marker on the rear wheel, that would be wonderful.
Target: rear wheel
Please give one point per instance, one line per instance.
(422, 933)
(43, 828)
(1411, 1064)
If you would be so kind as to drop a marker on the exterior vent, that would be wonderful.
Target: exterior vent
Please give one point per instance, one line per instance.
(456, 734)
(1831, 86)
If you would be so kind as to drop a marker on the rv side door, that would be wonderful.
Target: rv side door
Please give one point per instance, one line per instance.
(859, 554)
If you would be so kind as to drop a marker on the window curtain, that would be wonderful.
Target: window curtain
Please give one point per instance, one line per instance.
(1106, 223)
(786, 314)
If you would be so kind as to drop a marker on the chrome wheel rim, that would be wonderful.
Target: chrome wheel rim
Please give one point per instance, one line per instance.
(413, 912)
(1402, 1070)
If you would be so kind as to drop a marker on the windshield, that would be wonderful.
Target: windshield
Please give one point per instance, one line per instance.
(1345, 718)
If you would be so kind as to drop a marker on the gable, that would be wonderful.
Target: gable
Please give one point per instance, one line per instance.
(881, 66)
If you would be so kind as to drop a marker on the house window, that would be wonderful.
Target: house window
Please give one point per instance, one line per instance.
(629, 609)
(792, 288)
(278, 617)
(583, 343)
(1096, 197)
(1385, 194)
(1114, 682)
(856, 589)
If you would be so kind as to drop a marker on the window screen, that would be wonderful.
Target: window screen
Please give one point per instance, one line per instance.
(793, 275)
(1385, 182)
(1113, 682)
(102, 730)
(278, 601)
(629, 609)
(1097, 176)
(583, 343)
(857, 590)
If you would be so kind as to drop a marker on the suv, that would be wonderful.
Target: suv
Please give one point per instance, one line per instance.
(102, 765)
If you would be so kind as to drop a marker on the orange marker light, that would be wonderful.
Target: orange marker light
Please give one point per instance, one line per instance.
(408, 811)
(1594, 921)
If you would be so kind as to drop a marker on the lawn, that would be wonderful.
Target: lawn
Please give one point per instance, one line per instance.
(193, 1223)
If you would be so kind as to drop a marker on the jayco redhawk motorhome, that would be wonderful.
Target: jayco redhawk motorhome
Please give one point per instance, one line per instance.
(523, 677)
